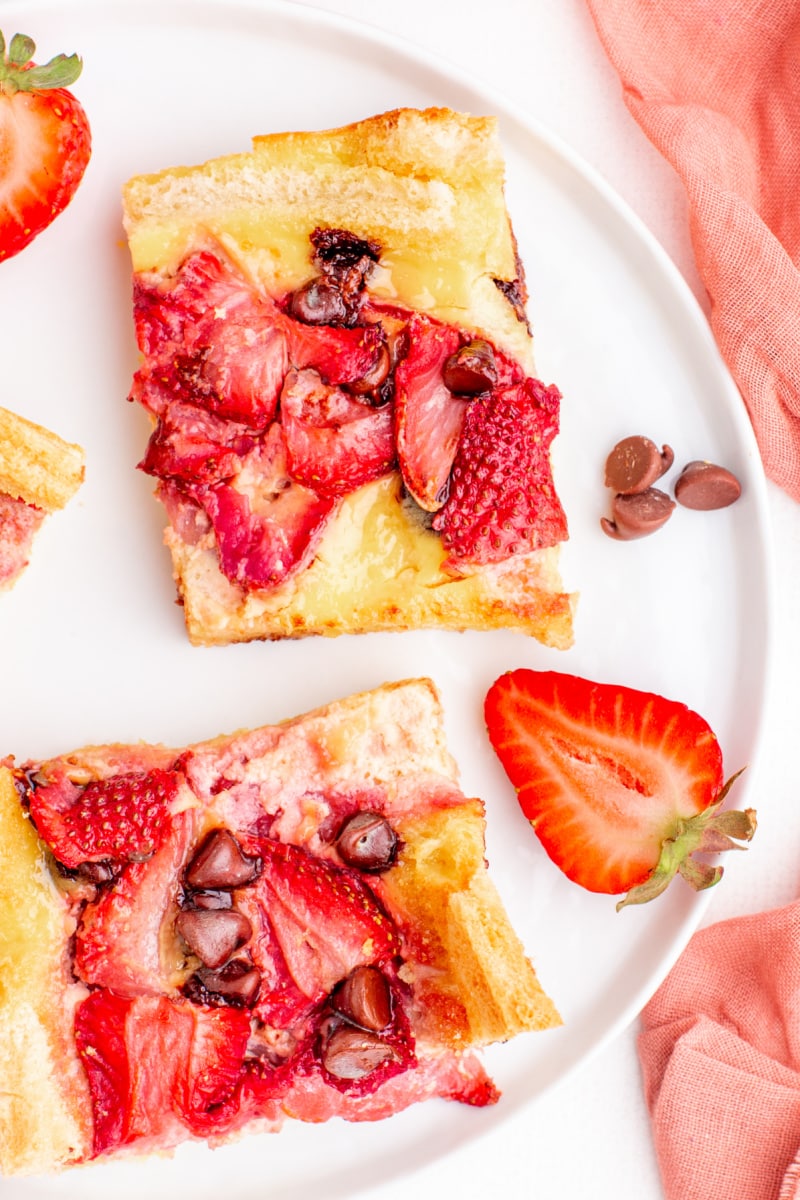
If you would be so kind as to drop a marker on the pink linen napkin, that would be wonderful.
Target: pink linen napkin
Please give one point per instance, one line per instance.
(715, 85)
(720, 1053)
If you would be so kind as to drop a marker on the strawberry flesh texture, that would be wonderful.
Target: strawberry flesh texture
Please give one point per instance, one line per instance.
(45, 146)
(118, 943)
(338, 354)
(123, 818)
(323, 920)
(150, 1060)
(19, 523)
(334, 443)
(502, 499)
(428, 417)
(190, 444)
(265, 523)
(602, 772)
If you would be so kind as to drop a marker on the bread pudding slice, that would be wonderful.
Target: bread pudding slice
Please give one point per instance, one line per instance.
(39, 474)
(294, 921)
(347, 433)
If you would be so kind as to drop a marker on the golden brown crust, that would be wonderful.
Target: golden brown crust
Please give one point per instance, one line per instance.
(472, 981)
(36, 465)
(43, 1099)
(428, 187)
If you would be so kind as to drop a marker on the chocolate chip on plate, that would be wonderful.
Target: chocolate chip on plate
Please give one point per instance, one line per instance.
(635, 464)
(705, 486)
(638, 515)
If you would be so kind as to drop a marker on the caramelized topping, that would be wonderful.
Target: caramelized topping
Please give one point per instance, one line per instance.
(367, 842)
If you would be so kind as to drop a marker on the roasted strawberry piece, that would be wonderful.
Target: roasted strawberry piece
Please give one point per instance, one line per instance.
(266, 524)
(150, 1060)
(45, 141)
(621, 786)
(334, 442)
(339, 355)
(125, 939)
(324, 919)
(124, 817)
(175, 313)
(192, 445)
(502, 499)
(428, 417)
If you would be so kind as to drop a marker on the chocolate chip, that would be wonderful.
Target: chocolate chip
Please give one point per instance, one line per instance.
(471, 370)
(220, 862)
(705, 486)
(237, 984)
(638, 515)
(364, 998)
(210, 898)
(318, 302)
(375, 376)
(367, 841)
(213, 934)
(350, 1053)
(635, 464)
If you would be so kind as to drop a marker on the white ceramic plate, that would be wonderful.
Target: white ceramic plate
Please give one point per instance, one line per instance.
(93, 647)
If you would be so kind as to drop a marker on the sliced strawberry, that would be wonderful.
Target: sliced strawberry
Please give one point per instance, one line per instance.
(621, 786)
(334, 442)
(124, 817)
(191, 444)
(175, 313)
(236, 367)
(45, 142)
(325, 919)
(502, 499)
(121, 942)
(338, 354)
(428, 417)
(266, 525)
(151, 1061)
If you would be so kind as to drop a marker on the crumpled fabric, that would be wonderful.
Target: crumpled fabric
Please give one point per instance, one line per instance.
(719, 1048)
(715, 85)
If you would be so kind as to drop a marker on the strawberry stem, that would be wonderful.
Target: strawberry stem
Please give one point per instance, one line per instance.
(710, 831)
(19, 74)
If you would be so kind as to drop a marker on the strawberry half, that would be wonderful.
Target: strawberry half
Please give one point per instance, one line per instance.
(622, 787)
(502, 499)
(45, 142)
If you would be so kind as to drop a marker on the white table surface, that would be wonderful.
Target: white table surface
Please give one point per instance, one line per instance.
(590, 1137)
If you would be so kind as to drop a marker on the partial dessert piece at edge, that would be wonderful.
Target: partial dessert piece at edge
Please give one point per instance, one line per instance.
(294, 921)
(347, 432)
(39, 473)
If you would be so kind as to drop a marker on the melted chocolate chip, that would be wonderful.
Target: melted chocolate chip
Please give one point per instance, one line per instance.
(319, 302)
(220, 862)
(638, 515)
(350, 1053)
(338, 249)
(635, 464)
(237, 984)
(364, 998)
(471, 370)
(213, 934)
(705, 486)
(209, 899)
(367, 842)
(376, 376)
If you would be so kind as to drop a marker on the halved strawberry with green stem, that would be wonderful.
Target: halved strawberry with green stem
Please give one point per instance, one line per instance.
(622, 787)
(45, 141)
